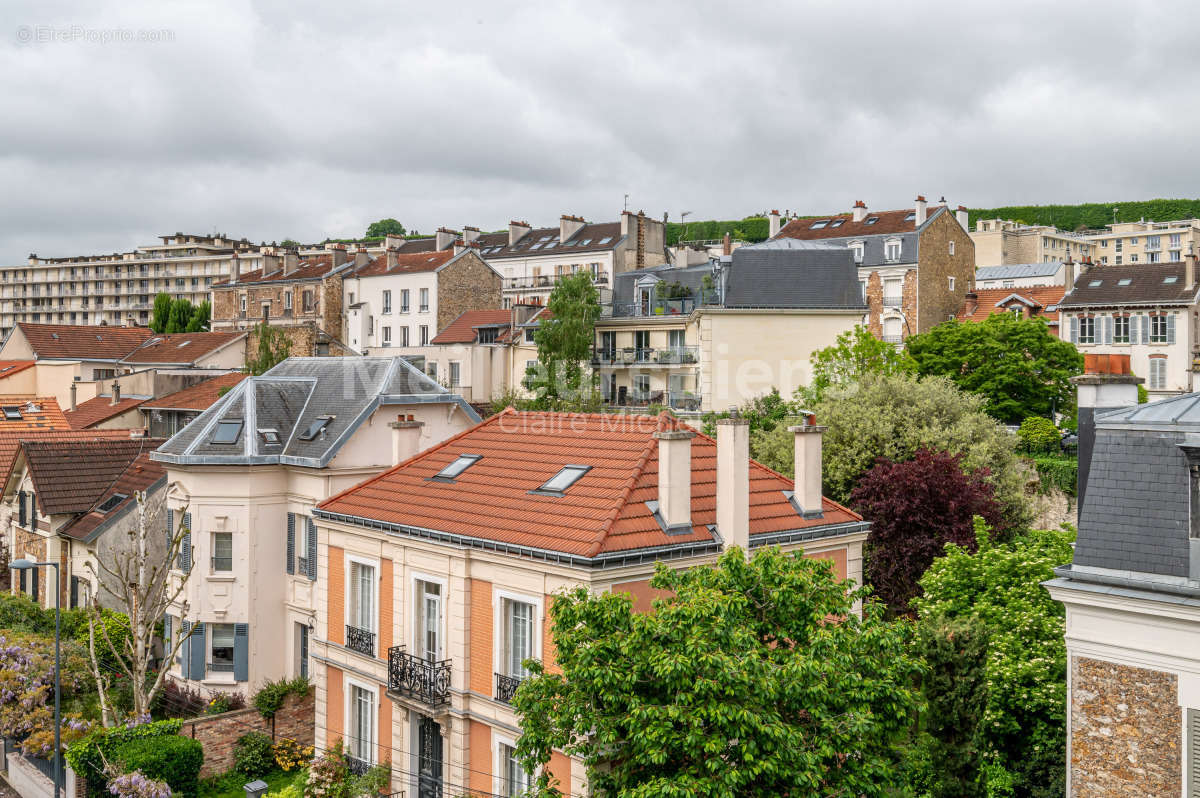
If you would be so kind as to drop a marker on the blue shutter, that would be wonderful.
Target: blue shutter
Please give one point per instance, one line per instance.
(34, 592)
(166, 636)
(1171, 328)
(185, 651)
(198, 653)
(291, 543)
(303, 649)
(1133, 329)
(241, 652)
(21, 511)
(312, 549)
(1074, 329)
(170, 528)
(1146, 329)
(1108, 325)
(185, 549)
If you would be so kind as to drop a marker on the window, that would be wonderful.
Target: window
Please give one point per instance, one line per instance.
(361, 723)
(403, 341)
(891, 250)
(270, 436)
(871, 220)
(243, 301)
(12, 413)
(1153, 242)
(387, 301)
(564, 479)
(222, 556)
(1152, 257)
(1133, 258)
(423, 336)
(1087, 330)
(387, 336)
(517, 645)
(951, 282)
(1120, 329)
(641, 384)
(459, 465)
(1174, 239)
(404, 300)
(455, 373)
(287, 300)
(316, 427)
(429, 620)
(1158, 329)
(111, 502)
(951, 252)
(362, 596)
(1125, 281)
(516, 780)
(220, 657)
(301, 649)
(857, 248)
(227, 432)
(487, 335)
(1117, 260)
(1133, 241)
(307, 297)
(1171, 279)
(1158, 373)
(819, 225)
(1095, 283)
(424, 300)
(529, 335)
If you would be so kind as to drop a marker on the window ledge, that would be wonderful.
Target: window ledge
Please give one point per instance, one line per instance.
(221, 578)
(221, 681)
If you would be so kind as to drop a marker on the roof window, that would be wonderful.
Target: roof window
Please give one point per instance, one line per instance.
(12, 414)
(316, 428)
(111, 502)
(227, 432)
(1171, 279)
(837, 223)
(564, 479)
(460, 464)
(1125, 281)
(182, 345)
(871, 220)
(1095, 283)
(604, 240)
(819, 225)
(270, 436)
(585, 242)
(912, 217)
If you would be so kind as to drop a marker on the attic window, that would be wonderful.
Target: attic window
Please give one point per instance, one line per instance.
(564, 479)
(315, 428)
(182, 345)
(1095, 283)
(871, 220)
(819, 225)
(604, 240)
(460, 464)
(585, 242)
(1124, 281)
(912, 217)
(837, 223)
(270, 436)
(111, 502)
(1171, 279)
(538, 245)
(12, 414)
(227, 432)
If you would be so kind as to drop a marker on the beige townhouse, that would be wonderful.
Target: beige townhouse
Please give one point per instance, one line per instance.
(1002, 242)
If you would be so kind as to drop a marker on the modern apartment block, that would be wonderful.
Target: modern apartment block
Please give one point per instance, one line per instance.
(1002, 242)
(1146, 242)
(117, 289)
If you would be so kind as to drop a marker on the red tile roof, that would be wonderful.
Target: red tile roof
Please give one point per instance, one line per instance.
(1036, 301)
(885, 222)
(406, 263)
(181, 347)
(200, 396)
(40, 412)
(70, 476)
(82, 342)
(604, 511)
(311, 268)
(98, 409)
(462, 330)
(10, 442)
(139, 475)
(11, 367)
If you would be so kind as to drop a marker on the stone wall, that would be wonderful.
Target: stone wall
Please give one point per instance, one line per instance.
(466, 284)
(935, 265)
(218, 733)
(30, 543)
(1125, 731)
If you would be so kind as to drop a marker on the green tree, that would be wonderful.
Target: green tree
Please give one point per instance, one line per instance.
(763, 412)
(1016, 364)
(893, 416)
(1038, 435)
(201, 315)
(274, 347)
(564, 340)
(161, 313)
(289, 242)
(181, 313)
(853, 355)
(384, 227)
(1022, 727)
(737, 685)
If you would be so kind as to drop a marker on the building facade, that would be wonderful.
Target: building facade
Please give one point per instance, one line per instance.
(1128, 243)
(1023, 275)
(1001, 242)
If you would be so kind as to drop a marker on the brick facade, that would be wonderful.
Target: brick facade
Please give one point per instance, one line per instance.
(337, 599)
(466, 283)
(295, 720)
(481, 637)
(1125, 731)
(549, 652)
(935, 267)
(480, 740)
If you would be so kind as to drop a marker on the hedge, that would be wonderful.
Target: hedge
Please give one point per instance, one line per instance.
(270, 697)
(173, 759)
(1058, 472)
(87, 756)
(752, 228)
(1093, 215)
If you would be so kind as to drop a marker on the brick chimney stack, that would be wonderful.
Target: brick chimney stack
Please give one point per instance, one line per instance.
(116, 393)
(641, 240)
(727, 245)
(235, 268)
(860, 211)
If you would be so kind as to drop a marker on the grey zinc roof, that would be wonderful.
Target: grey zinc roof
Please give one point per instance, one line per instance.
(1014, 271)
(793, 278)
(291, 397)
(1177, 412)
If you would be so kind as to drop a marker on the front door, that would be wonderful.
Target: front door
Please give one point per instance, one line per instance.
(429, 758)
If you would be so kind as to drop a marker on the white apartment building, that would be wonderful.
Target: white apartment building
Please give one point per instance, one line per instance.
(1145, 242)
(1000, 242)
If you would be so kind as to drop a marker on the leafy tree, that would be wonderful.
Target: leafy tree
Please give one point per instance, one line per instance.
(181, 313)
(764, 413)
(274, 347)
(1022, 727)
(1019, 367)
(200, 318)
(161, 313)
(1038, 434)
(915, 508)
(892, 416)
(384, 227)
(853, 355)
(737, 685)
(564, 341)
(289, 242)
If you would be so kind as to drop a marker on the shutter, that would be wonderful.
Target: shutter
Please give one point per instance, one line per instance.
(24, 519)
(312, 549)
(1133, 329)
(198, 653)
(185, 549)
(185, 650)
(74, 591)
(32, 510)
(1108, 325)
(303, 650)
(1171, 328)
(1074, 329)
(1193, 753)
(291, 543)
(1145, 329)
(33, 573)
(170, 528)
(241, 652)
(24, 581)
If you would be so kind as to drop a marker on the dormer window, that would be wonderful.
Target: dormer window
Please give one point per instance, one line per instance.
(564, 479)
(857, 248)
(892, 249)
(316, 428)
(459, 465)
(111, 502)
(227, 432)
(269, 436)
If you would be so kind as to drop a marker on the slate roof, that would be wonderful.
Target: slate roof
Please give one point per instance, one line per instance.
(99, 409)
(82, 342)
(886, 222)
(793, 278)
(592, 237)
(69, 476)
(200, 396)
(1150, 284)
(1017, 271)
(604, 513)
(142, 474)
(1042, 299)
(180, 348)
(464, 329)
(291, 397)
(406, 263)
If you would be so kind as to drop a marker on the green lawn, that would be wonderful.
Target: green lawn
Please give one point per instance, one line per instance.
(232, 784)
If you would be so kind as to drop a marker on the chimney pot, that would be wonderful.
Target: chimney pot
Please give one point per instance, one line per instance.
(733, 481)
(727, 245)
(807, 493)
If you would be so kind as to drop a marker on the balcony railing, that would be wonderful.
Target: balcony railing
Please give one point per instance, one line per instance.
(506, 687)
(221, 667)
(893, 339)
(360, 640)
(642, 356)
(358, 767)
(544, 281)
(426, 681)
(892, 300)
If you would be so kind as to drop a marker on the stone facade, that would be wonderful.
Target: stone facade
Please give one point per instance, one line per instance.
(935, 266)
(1125, 731)
(219, 733)
(304, 341)
(466, 283)
(32, 544)
(875, 307)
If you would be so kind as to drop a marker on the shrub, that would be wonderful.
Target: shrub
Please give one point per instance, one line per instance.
(271, 695)
(88, 755)
(254, 754)
(137, 785)
(173, 759)
(1038, 435)
(20, 613)
(1057, 472)
(328, 774)
(290, 754)
(225, 702)
(175, 701)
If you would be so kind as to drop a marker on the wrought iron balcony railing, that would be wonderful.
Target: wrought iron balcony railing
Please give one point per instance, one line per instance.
(425, 680)
(506, 687)
(357, 766)
(360, 640)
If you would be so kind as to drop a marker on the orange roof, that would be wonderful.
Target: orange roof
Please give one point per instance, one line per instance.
(82, 342)
(406, 263)
(200, 396)
(462, 330)
(604, 511)
(11, 367)
(40, 412)
(139, 475)
(181, 347)
(312, 268)
(99, 409)
(885, 222)
(1037, 302)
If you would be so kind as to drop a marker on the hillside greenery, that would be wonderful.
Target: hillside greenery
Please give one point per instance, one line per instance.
(1092, 214)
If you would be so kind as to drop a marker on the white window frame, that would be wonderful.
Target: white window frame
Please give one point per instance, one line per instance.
(455, 379)
(348, 704)
(1159, 384)
(352, 559)
(423, 300)
(403, 336)
(210, 637)
(951, 252)
(443, 583)
(1128, 322)
(423, 335)
(499, 655)
(387, 335)
(387, 301)
(500, 764)
(212, 542)
(404, 305)
(287, 300)
(888, 246)
(1159, 339)
(951, 279)
(1090, 339)
(858, 248)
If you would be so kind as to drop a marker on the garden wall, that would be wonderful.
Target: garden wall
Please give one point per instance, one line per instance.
(218, 733)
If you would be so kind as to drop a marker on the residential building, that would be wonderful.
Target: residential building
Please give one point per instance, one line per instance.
(117, 289)
(65, 491)
(113, 410)
(1147, 311)
(532, 260)
(198, 350)
(483, 354)
(914, 265)
(1021, 275)
(244, 477)
(434, 602)
(167, 415)
(1127, 243)
(704, 338)
(97, 349)
(1002, 242)
(1024, 303)
(400, 301)
(1132, 590)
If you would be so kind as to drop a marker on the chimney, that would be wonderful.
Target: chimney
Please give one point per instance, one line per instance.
(517, 231)
(470, 234)
(733, 482)
(921, 211)
(727, 245)
(337, 253)
(360, 256)
(860, 211)
(1069, 275)
(963, 216)
(1189, 271)
(393, 258)
(291, 259)
(74, 392)
(116, 393)
(270, 262)
(445, 238)
(675, 478)
(807, 495)
(1105, 384)
(773, 217)
(568, 226)
(393, 241)
(235, 270)
(942, 202)
(406, 438)
(626, 222)
(970, 304)
(641, 240)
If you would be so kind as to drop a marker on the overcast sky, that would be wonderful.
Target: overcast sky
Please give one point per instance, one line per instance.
(271, 120)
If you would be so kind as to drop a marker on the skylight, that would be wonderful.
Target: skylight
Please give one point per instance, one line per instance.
(1095, 283)
(228, 432)
(1124, 281)
(460, 464)
(912, 217)
(12, 414)
(1171, 279)
(871, 220)
(604, 240)
(182, 345)
(819, 225)
(270, 436)
(837, 223)
(538, 245)
(315, 428)
(545, 238)
(564, 479)
(111, 502)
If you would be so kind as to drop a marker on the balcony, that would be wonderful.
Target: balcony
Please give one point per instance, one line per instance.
(420, 679)
(360, 640)
(358, 767)
(893, 339)
(892, 300)
(645, 356)
(506, 687)
(544, 281)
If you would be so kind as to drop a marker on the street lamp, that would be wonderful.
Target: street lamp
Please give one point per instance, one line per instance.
(25, 565)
